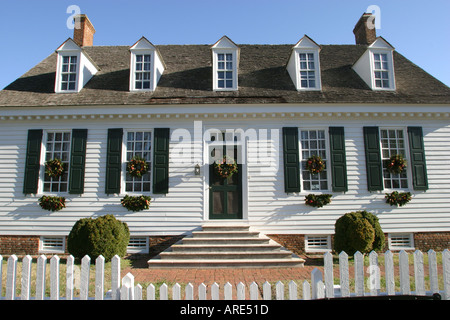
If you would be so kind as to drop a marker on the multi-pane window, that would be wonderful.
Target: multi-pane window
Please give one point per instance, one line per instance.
(142, 73)
(139, 143)
(393, 143)
(307, 70)
(69, 73)
(57, 146)
(313, 142)
(381, 69)
(225, 70)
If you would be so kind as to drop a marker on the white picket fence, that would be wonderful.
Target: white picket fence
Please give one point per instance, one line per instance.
(320, 286)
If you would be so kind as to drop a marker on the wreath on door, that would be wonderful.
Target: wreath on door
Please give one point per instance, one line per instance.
(226, 167)
(315, 164)
(54, 168)
(137, 167)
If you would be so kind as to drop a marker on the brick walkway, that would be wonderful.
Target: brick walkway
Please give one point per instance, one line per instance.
(221, 276)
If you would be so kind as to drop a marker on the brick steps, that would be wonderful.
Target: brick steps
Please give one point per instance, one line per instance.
(226, 246)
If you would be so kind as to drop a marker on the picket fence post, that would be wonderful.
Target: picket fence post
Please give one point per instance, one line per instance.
(26, 278)
(70, 277)
(40, 277)
(99, 277)
(446, 271)
(11, 278)
(389, 272)
(54, 279)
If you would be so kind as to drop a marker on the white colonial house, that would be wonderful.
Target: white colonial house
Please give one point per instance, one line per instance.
(182, 107)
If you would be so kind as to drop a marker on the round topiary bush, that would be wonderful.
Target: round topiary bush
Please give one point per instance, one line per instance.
(358, 231)
(104, 236)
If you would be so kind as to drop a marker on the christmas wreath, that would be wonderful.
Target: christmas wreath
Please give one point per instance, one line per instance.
(225, 167)
(396, 164)
(136, 203)
(137, 167)
(398, 198)
(317, 200)
(315, 164)
(51, 203)
(54, 168)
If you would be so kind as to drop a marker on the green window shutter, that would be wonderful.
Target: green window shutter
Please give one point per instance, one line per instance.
(373, 159)
(161, 161)
(32, 162)
(77, 161)
(417, 158)
(291, 160)
(114, 161)
(338, 160)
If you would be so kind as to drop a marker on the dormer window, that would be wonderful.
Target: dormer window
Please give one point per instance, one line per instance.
(143, 71)
(146, 66)
(225, 65)
(74, 68)
(381, 70)
(376, 66)
(304, 66)
(225, 70)
(69, 73)
(307, 70)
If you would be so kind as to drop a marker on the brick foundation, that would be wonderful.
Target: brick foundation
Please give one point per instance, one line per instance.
(438, 241)
(292, 242)
(19, 245)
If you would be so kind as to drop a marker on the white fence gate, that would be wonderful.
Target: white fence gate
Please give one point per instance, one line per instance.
(320, 286)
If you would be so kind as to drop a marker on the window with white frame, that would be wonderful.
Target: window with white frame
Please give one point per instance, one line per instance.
(392, 143)
(381, 70)
(52, 244)
(69, 73)
(139, 143)
(57, 146)
(225, 70)
(313, 142)
(138, 245)
(317, 243)
(307, 70)
(142, 72)
(401, 241)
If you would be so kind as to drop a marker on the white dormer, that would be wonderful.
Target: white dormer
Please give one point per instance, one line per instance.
(74, 68)
(304, 65)
(225, 65)
(376, 65)
(146, 66)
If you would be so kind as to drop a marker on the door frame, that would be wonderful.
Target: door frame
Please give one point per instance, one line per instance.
(206, 176)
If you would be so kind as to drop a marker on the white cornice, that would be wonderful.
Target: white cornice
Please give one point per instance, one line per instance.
(230, 112)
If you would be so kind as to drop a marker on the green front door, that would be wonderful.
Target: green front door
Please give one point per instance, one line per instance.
(225, 194)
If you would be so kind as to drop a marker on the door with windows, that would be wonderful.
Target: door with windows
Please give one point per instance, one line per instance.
(225, 193)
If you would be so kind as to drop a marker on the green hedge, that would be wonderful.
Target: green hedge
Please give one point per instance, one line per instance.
(104, 236)
(358, 231)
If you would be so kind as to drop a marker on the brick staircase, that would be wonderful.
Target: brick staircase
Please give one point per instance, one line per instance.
(226, 246)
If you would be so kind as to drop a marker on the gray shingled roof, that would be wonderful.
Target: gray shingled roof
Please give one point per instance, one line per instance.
(263, 78)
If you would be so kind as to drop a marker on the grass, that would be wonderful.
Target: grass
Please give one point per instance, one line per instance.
(125, 263)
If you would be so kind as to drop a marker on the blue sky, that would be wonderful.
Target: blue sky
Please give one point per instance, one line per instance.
(32, 30)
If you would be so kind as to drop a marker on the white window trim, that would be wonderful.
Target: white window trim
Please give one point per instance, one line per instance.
(133, 69)
(327, 150)
(328, 245)
(318, 81)
(42, 163)
(59, 71)
(390, 69)
(215, 69)
(42, 249)
(407, 154)
(399, 248)
(123, 177)
(139, 249)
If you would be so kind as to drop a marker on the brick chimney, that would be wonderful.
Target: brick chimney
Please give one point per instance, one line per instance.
(83, 33)
(364, 30)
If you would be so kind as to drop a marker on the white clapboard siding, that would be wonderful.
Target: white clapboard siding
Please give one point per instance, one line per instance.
(267, 206)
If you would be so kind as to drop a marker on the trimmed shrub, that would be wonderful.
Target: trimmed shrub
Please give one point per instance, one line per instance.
(358, 231)
(104, 236)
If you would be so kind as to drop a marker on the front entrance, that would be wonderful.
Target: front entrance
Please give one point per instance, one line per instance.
(225, 194)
